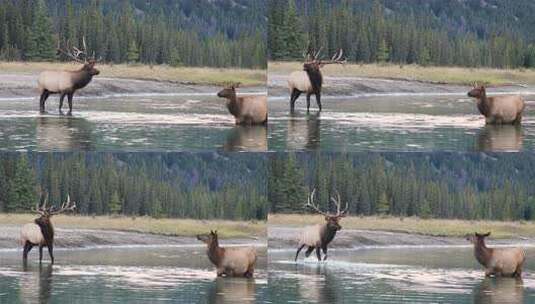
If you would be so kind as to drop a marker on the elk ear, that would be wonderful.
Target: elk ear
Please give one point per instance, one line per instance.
(327, 218)
(486, 234)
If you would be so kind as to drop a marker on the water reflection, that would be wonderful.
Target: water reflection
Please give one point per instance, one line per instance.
(63, 133)
(317, 285)
(499, 290)
(303, 131)
(39, 280)
(247, 138)
(232, 290)
(500, 138)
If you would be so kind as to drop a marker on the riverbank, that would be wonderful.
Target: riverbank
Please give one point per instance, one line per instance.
(437, 75)
(158, 73)
(374, 231)
(84, 231)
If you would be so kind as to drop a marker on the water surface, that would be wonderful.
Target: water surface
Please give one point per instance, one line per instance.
(404, 121)
(395, 275)
(133, 122)
(176, 274)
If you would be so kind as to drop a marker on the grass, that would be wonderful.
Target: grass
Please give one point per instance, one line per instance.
(446, 75)
(190, 75)
(173, 227)
(413, 225)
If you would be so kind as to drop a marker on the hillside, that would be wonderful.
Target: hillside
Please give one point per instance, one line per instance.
(470, 33)
(222, 33)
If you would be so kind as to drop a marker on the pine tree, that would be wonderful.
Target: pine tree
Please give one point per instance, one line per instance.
(383, 205)
(41, 44)
(133, 52)
(383, 53)
(21, 188)
(115, 205)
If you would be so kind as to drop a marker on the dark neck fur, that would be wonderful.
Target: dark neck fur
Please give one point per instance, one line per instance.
(327, 234)
(482, 253)
(316, 79)
(215, 253)
(233, 105)
(81, 78)
(483, 104)
(46, 229)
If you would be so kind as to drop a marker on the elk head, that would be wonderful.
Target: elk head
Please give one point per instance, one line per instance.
(314, 63)
(332, 220)
(477, 238)
(477, 91)
(80, 56)
(229, 91)
(209, 239)
(47, 212)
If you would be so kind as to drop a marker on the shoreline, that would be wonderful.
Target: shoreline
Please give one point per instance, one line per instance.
(284, 238)
(86, 239)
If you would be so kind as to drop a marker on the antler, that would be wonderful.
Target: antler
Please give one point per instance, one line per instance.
(337, 202)
(336, 58)
(66, 206)
(40, 209)
(310, 203)
(76, 52)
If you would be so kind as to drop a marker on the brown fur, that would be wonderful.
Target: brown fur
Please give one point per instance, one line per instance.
(498, 109)
(318, 237)
(232, 262)
(64, 83)
(247, 110)
(505, 262)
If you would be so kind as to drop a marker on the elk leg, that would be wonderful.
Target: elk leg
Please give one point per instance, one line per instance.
(27, 247)
(298, 250)
(318, 254)
(69, 96)
(51, 252)
(61, 101)
(42, 100)
(318, 100)
(40, 253)
(308, 102)
(325, 253)
(295, 95)
(309, 251)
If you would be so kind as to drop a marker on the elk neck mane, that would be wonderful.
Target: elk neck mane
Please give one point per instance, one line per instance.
(46, 229)
(326, 234)
(315, 77)
(482, 252)
(483, 104)
(80, 78)
(233, 105)
(215, 253)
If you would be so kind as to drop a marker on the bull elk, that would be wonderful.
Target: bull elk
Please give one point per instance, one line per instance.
(231, 262)
(247, 110)
(310, 79)
(498, 109)
(66, 83)
(506, 262)
(41, 231)
(319, 236)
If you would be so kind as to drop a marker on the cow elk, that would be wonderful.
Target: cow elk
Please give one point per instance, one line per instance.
(65, 83)
(310, 79)
(498, 109)
(41, 231)
(247, 110)
(505, 262)
(319, 236)
(231, 262)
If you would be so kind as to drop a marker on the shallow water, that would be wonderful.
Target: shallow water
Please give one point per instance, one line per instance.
(395, 275)
(134, 122)
(395, 122)
(126, 275)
